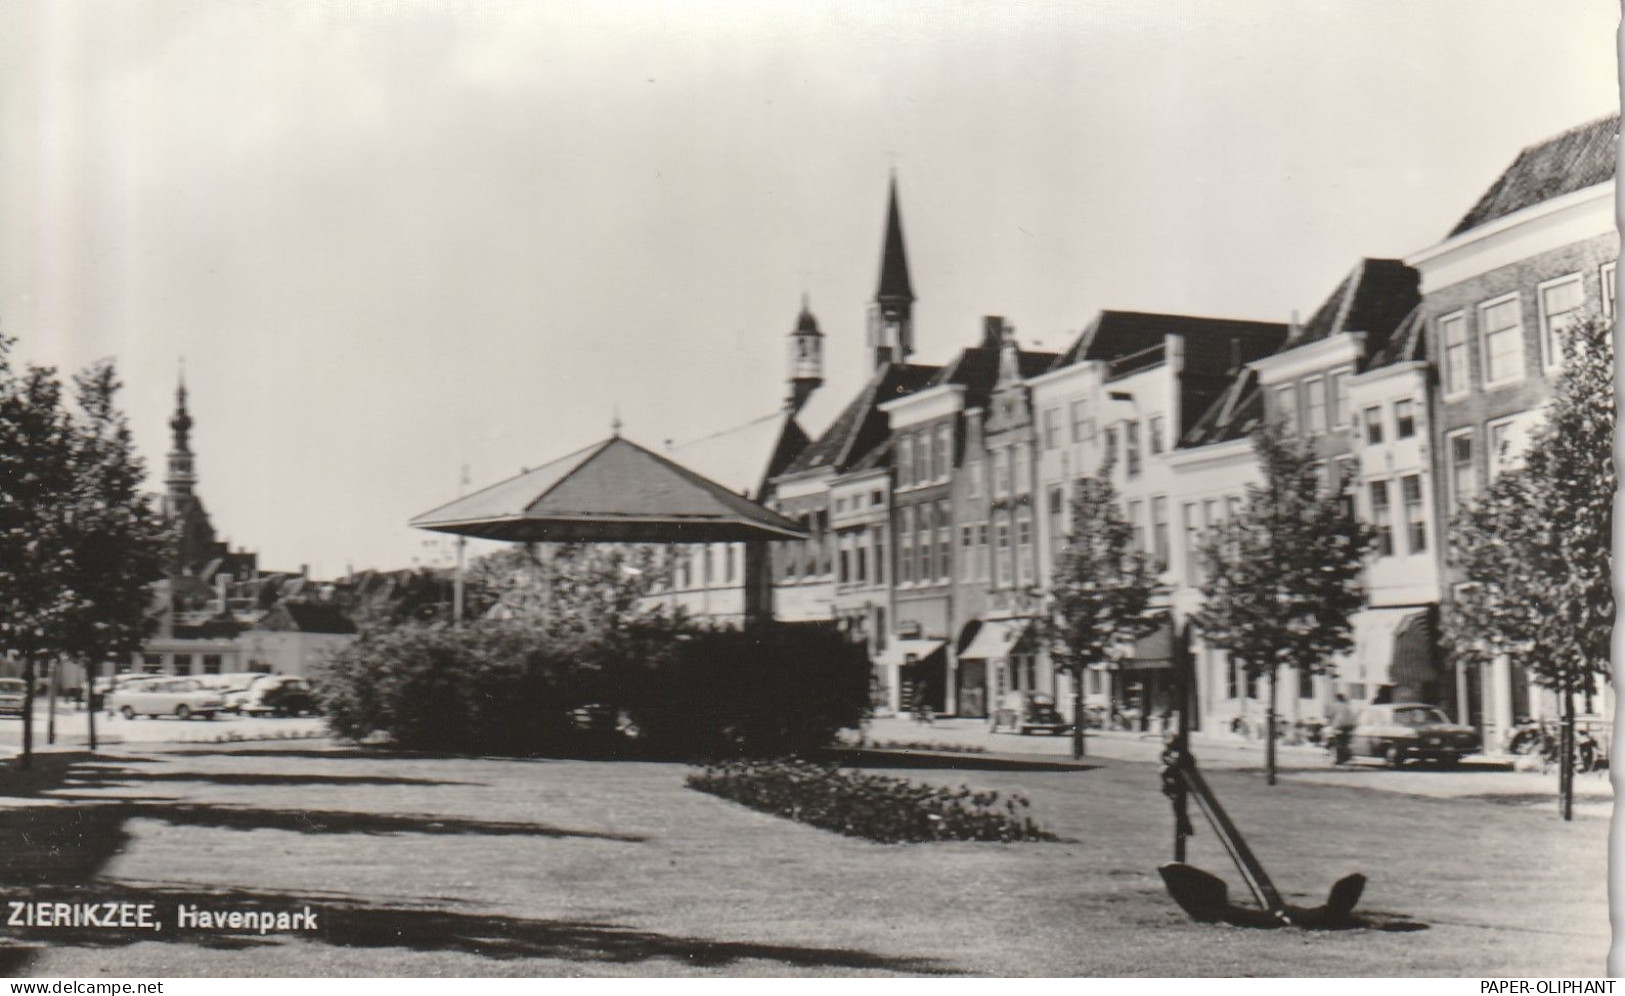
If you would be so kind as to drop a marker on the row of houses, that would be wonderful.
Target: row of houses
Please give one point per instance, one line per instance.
(937, 499)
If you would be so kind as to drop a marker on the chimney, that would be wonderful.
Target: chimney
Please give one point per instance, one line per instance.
(992, 331)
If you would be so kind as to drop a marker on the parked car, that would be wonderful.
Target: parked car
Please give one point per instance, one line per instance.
(13, 692)
(1028, 712)
(182, 698)
(1409, 730)
(279, 695)
(235, 687)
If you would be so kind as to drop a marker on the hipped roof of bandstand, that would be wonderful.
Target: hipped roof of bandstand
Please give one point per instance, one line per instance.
(612, 492)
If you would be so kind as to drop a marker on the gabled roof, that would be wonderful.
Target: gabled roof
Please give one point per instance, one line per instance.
(1374, 298)
(1408, 342)
(1234, 414)
(1116, 334)
(615, 491)
(976, 369)
(894, 282)
(306, 617)
(862, 424)
(745, 457)
(1578, 158)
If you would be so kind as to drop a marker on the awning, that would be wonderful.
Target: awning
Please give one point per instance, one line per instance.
(1413, 664)
(1377, 635)
(899, 651)
(1153, 651)
(996, 640)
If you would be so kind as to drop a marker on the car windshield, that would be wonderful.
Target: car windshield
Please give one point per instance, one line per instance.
(12, 686)
(1418, 716)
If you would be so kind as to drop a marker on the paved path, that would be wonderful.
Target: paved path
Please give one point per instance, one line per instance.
(1488, 778)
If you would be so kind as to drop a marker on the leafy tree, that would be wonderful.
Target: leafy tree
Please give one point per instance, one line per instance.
(563, 585)
(1283, 575)
(1534, 550)
(1099, 593)
(116, 540)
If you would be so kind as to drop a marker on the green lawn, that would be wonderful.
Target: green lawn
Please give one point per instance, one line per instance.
(424, 867)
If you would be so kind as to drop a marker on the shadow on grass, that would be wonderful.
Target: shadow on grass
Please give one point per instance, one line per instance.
(354, 923)
(314, 821)
(885, 759)
(98, 773)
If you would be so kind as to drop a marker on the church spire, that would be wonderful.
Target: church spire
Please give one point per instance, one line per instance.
(182, 475)
(806, 358)
(891, 318)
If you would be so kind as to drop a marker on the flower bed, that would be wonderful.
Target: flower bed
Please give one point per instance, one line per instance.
(889, 810)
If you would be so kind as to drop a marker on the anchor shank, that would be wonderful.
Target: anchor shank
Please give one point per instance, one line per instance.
(1247, 863)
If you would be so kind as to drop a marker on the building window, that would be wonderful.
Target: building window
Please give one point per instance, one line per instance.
(1463, 479)
(905, 547)
(1057, 521)
(1109, 445)
(1314, 406)
(1347, 470)
(732, 560)
(1001, 472)
(183, 664)
(1416, 531)
(877, 498)
(1159, 533)
(1023, 471)
(922, 459)
(941, 453)
(1286, 407)
(1373, 425)
(1606, 278)
(1052, 428)
(1131, 447)
(1500, 325)
(1453, 332)
(967, 553)
(1382, 518)
(880, 555)
(1080, 419)
(1509, 440)
(1024, 544)
(1404, 418)
(905, 461)
(1006, 563)
(211, 663)
(1138, 526)
(860, 557)
(984, 559)
(945, 543)
(843, 566)
(973, 479)
(1560, 303)
(1155, 427)
(152, 663)
(1193, 544)
(1338, 411)
(924, 546)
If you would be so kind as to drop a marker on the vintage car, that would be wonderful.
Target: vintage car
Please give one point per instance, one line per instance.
(13, 693)
(279, 695)
(1028, 712)
(182, 698)
(1411, 731)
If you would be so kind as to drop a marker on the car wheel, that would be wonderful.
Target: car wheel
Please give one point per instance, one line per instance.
(182, 712)
(1393, 757)
(127, 712)
(207, 715)
(1448, 761)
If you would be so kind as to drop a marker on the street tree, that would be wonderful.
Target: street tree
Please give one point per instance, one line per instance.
(37, 600)
(116, 541)
(1100, 591)
(1282, 577)
(564, 584)
(1534, 550)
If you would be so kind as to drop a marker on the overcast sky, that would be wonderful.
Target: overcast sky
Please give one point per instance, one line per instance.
(394, 238)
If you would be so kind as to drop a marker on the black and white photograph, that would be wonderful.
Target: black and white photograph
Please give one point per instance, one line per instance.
(711, 489)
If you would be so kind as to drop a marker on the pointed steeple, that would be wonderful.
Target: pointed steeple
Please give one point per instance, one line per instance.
(806, 358)
(891, 317)
(182, 475)
(895, 287)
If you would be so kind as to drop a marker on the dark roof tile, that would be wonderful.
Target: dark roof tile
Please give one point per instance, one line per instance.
(1578, 158)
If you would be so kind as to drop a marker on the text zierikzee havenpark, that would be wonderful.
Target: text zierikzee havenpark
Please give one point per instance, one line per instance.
(144, 916)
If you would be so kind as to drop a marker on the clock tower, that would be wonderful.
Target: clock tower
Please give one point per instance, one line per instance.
(891, 317)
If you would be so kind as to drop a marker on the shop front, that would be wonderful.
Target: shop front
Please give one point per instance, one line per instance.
(999, 657)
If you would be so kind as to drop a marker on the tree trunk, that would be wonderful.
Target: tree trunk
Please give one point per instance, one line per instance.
(27, 759)
(1077, 712)
(90, 702)
(1269, 731)
(51, 675)
(1565, 771)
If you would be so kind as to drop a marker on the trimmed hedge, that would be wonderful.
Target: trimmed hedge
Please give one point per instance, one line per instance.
(877, 807)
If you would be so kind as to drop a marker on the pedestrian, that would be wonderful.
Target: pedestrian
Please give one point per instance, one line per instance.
(1341, 720)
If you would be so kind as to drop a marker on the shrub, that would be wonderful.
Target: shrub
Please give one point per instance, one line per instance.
(518, 687)
(889, 810)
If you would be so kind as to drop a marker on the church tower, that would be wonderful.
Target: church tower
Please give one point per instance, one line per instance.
(182, 474)
(891, 317)
(806, 359)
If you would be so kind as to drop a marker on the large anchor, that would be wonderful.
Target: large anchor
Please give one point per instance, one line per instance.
(1203, 896)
